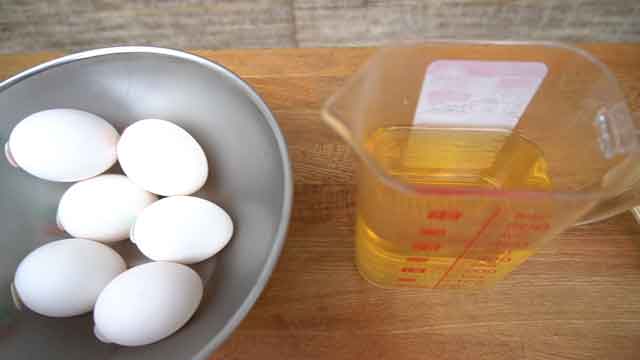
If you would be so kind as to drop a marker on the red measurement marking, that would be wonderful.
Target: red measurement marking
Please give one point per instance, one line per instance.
(530, 216)
(489, 261)
(509, 244)
(482, 271)
(470, 244)
(413, 270)
(497, 193)
(417, 259)
(497, 259)
(461, 283)
(426, 246)
(468, 276)
(406, 279)
(433, 231)
(452, 215)
(523, 227)
(541, 227)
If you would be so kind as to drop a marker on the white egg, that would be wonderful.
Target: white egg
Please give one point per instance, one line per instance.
(102, 208)
(147, 303)
(64, 278)
(183, 229)
(62, 145)
(162, 158)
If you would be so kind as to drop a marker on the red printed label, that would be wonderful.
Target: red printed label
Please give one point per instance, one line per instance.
(486, 94)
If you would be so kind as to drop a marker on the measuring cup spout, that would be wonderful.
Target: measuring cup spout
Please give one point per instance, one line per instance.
(344, 116)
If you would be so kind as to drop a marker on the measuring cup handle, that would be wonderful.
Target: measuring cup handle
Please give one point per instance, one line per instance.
(628, 199)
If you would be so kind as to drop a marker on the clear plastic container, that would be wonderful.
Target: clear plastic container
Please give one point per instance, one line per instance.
(475, 153)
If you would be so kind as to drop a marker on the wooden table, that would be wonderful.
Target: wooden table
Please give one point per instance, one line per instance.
(579, 298)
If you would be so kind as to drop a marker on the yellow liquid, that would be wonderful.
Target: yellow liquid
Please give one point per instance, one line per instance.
(431, 231)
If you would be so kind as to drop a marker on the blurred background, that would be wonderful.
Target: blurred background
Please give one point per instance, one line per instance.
(35, 25)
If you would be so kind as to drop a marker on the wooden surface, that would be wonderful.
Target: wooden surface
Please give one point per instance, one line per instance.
(579, 298)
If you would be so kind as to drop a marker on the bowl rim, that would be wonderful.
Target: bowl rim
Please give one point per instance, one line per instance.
(281, 232)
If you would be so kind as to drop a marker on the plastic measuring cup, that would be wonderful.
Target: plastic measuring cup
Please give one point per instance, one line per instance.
(474, 153)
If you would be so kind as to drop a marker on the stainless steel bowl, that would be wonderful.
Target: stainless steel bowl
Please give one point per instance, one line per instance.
(250, 177)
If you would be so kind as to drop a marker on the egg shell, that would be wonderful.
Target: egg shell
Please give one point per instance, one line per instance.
(147, 303)
(102, 208)
(162, 158)
(183, 229)
(63, 145)
(64, 277)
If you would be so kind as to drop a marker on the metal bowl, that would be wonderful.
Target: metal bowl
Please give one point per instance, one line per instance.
(249, 176)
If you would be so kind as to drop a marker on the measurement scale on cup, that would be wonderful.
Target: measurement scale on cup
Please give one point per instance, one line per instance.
(465, 272)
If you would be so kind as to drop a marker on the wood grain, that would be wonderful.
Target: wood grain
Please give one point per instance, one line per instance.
(35, 25)
(321, 23)
(32, 25)
(579, 298)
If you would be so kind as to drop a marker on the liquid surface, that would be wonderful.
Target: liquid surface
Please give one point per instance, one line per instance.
(431, 232)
